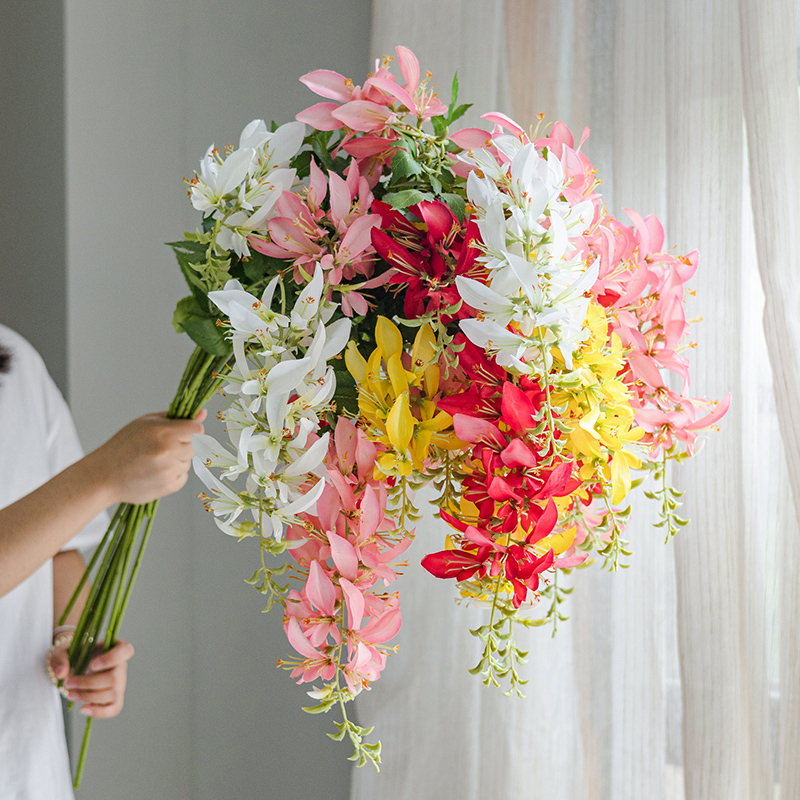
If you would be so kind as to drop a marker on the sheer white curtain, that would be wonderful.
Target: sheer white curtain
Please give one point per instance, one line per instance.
(680, 677)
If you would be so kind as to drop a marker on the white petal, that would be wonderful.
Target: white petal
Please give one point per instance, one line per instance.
(310, 459)
(234, 170)
(254, 134)
(286, 142)
(338, 334)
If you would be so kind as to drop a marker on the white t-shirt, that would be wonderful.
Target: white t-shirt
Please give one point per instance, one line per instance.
(37, 440)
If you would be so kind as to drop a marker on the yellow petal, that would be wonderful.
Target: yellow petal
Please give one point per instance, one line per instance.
(356, 363)
(397, 374)
(388, 337)
(559, 542)
(419, 448)
(424, 348)
(400, 424)
(620, 479)
(431, 380)
(439, 422)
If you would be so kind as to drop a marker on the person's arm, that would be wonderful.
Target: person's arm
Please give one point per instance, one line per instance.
(147, 459)
(102, 688)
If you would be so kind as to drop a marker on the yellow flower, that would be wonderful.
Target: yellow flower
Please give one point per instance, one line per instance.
(406, 422)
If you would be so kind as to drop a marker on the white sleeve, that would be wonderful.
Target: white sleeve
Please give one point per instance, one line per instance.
(64, 449)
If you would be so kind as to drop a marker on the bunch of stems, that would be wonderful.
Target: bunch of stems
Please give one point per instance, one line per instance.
(115, 564)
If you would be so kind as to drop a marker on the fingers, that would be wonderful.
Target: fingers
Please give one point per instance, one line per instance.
(102, 712)
(186, 428)
(120, 653)
(149, 458)
(102, 688)
(59, 662)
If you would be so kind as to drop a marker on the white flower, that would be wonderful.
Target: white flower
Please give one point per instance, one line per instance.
(217, 180)
(223, 501)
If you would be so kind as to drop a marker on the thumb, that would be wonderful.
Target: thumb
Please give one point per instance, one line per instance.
(59, 661)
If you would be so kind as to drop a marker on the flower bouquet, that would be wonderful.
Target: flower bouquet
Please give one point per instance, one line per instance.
(387, 303)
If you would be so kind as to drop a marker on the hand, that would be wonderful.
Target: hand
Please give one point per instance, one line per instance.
(102, 688)
(149, 458)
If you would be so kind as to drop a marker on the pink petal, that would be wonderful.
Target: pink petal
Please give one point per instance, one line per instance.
(268, 248)
(340, 198)
(371, 514)
(505, 122)
(363, 115)
(330, 84)
(561, 133)
(329, 505)
(345, 440)
(645, 370)
(472, 139)
(320, 589)
(298, 640)
(287, 235)
(320, 116)
(567, 562)
(383, 628)
(409, 67)
(394, 90)
(355, 603)
(366, 146)
(518, 455)
(354, 303)
(395, 552)
(358, 238)
(366, 454)
(344, 556)
(474, 430)
(641, 229)
(317, 184)
(344, 489)
(716, 414)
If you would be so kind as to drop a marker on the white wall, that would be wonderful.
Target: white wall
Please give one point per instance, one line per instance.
(148, 86)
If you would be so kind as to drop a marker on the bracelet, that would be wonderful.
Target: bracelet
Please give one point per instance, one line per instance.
(62, 635)
(62, 629)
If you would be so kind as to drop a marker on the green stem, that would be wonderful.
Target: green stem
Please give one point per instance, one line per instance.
(152, 508)
(87, 732)
(188, 373)
(87, 623)
(92, 562)
(110, 591)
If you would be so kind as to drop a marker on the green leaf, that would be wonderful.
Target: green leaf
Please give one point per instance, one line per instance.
(439, 126)
(258, 266)
(201, 327)
(302, 164)
(189, 253)
(404, 164)
(321, 152)
(454, 91)
(406, 198)
(322, 708)
(459, 112)
(456, 204)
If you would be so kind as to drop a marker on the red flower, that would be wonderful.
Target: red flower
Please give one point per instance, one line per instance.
(427, 260)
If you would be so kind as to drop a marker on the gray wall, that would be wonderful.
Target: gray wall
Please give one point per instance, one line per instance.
(32, 241)
(148, 86)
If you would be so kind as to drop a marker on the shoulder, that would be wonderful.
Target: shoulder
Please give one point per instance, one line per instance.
(27, 391)
(24, 358)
